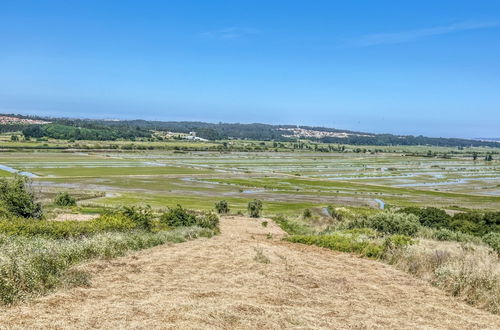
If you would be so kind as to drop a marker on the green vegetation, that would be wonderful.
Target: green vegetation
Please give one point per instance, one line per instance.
(64, 199)
(222, 207)
(92, 132)
(17, 199)
(388, 223)
(255, 208)
(65, 229)
(31, 266)
(424, 245)
(180, 217)
(37, 255)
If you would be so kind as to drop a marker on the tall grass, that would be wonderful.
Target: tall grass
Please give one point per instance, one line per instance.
(463, 265)
(32, 266)
(468, 271)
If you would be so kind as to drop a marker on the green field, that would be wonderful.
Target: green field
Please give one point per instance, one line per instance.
(285, 181)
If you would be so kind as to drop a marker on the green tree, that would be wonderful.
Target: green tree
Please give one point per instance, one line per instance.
(17, 197)
(64, 199)
(222, 207)
(255, 208)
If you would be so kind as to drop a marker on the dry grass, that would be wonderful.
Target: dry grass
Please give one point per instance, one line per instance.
(468, 271)
(75, 217)
(216, 284)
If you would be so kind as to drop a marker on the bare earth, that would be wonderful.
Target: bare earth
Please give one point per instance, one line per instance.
(217, 283)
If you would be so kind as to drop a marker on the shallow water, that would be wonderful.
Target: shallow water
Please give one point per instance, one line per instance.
(13, 170)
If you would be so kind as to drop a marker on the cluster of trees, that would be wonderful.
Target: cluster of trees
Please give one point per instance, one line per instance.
(477, 223)
(408, 140)
(90, 129)
(58, 131)
(18, 200)
(254, 208)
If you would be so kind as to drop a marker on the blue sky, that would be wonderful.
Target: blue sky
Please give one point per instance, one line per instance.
(405, 67)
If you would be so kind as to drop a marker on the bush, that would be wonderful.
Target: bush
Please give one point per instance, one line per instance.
(64, 199)
(208, 220)
(334, 213)
(178, 217)
(389, 223)
(476, 223)
(429, 216)
(65, 229)
(17, 198)
(307, 213)
(339, 242)
(493, 240)
(222, 207)
(255, 208)
(292, 227)
(141, 216)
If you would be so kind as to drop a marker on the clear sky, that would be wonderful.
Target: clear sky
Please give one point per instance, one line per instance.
(410, 67)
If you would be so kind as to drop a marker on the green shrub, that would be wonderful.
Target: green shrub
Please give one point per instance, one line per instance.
(64, 199)
(398, 241)
(389, 223)
(208, 220)
(141, 216)
(17, 198)
(255, 208)
(429, 216)
(493, 240)
(334, 214)
(178, 217)
(292, 227)
(222, 207)
(65, 229)
(476, 222)
(339, 242)
(307, 213)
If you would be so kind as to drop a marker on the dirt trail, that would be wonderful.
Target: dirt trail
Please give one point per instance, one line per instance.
(217, 283)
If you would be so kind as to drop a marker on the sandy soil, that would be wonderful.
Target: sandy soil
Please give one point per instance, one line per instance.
(219, 283)
(75, 217)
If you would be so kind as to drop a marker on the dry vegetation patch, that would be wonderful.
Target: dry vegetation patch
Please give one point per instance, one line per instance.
(217, 284)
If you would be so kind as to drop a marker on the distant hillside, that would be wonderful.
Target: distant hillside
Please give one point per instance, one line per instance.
(97, 129)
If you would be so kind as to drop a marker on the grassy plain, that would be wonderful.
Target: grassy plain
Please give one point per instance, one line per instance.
(285, 181)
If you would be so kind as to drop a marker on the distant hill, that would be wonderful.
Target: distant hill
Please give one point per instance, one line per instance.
(98, 129)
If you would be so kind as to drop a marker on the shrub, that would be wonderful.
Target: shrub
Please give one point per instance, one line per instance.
(141, 216)
(493, 240)
(65, 229)
(429, 216)
(334, 213)
(208, 220)
(64, 199)
(476, 223)
(222, 207)
(390, 223)
(178, 217)
(255, 208)
(292, 227)
(307, 213)
(339, 242)
(17, 198)
(398, 241)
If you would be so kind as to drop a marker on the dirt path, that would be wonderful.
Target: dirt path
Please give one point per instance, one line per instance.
(218, 283)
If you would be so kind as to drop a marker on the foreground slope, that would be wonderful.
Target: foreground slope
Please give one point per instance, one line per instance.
(244, 278)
